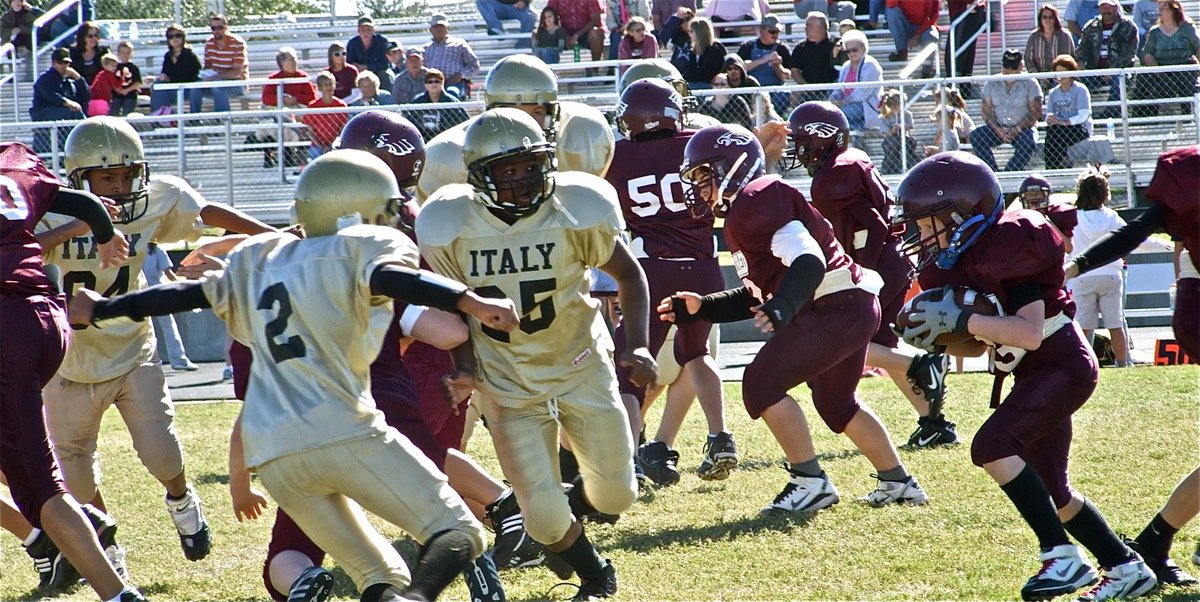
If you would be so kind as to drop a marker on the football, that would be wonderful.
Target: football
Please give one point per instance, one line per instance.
(963, 296)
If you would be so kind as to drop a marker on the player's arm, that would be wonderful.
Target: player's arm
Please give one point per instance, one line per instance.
(223, 216)
(435, 327)
(89, 308)
(877, 233)
(1022, 330)
(731, 305)
(422, 287)
(248, 502)
(1118, 244)
(795, 246)
(634, 295)
(92, 215)
(458, 385)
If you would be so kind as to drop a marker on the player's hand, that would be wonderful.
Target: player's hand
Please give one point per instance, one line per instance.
(934, 319)
(457, 387)
(111, 206)
(673, 308)
(643, 370)
(114, 252)
(248, 502)
(762, 319)
(1070, 270)
(773, 135)
(196, 264)
(81, 306)
(500, 314)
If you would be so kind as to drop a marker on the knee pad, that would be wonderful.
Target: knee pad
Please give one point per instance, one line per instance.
(547, 516)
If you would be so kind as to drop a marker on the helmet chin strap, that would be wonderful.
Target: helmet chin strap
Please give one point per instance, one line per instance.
(949, 256)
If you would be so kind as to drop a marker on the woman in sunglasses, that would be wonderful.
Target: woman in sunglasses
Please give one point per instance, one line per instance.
(86, 52)
(344, 73)
(180, 65)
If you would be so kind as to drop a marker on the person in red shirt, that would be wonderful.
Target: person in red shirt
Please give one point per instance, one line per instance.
(294, 95)
(323, 128)
(103, 86)
(912, 23)
(584, 22)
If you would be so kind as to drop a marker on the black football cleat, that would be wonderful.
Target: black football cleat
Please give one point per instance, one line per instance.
(720, 457)
(933, 432)
(514, 548)
(602, 587)
(483, 581)
(659, 463)
(315, 584)
(188, 516)
(1165, 569)
(55, 572)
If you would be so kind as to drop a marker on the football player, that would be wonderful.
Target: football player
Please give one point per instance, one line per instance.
(35, 340)
(967, 239)
(660, 69)
(1034, 193)
(1175, 208)
(524, 231)
(309, 424)
(676, 252)
(112, 366)
(820, 305)
(580, 133)
(848, 191)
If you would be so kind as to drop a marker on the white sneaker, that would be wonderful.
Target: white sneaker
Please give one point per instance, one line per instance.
(116, 557)
(185, 365)
(1064, 570)
(1128, 580)
(189, 520)
(804, 494)
(227, 374)
(907, 491)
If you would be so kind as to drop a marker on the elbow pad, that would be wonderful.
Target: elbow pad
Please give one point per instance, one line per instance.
(418, 287)
(797, 289)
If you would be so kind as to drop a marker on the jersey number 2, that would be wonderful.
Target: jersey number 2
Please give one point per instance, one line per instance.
(293, 346)
(530, 289)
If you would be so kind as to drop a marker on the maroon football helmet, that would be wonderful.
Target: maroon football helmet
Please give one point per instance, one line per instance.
(957, 189)
(1035, 193)
(391, 137)
(649, 105)
(820, 132)
(727, 156)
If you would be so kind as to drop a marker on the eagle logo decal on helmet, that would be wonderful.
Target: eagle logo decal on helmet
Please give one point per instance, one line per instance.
(821, 129)
(399, 147)
(733, 139)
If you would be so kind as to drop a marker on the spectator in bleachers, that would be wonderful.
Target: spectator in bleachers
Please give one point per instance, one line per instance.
(676, 29)
(495, 12)
(913, 23)
(1100, 293)
(296, 95)
(1108, 41)
(16, 25)
(736, 76)
(861, 105)
(832, 9)
(550, 39)
(724, 11)
(702, 58)
(637, 43)
(768, 60)
(1145, 16)
(1046, 42)
(958, 123)
(617, 16)
(964, 64)
(324, 128)
(1010, 110)
(180, 65)
(435, 121)
(103, 87)
(395, 58)
(897, 141)
(225, 59)
(367, 51)
(729, 108)
(584, 22)
(411, 82)
(812, 59)
(87, 50)
(662, 12)
(454, 57)
(1068, 115)
(59, 93)
(125, 97)
(1172, 41)
(344, 74)
(839, 51)
(370, 94)
(1078, 13)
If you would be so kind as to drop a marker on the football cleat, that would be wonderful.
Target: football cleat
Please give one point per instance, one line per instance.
(1196, 555)
(933, 432)
(514, 548)
(132, 596)
(804, 494)
(55, 572)
(1064, 570)
(659, 462)
(907, 491)
(559, 565)
(315, 584)
(603, 587)
(927, 375)
(720, 457)
(1127, 580)
(1165, 569)
(483, 581)
(106, 531)
(188, 517)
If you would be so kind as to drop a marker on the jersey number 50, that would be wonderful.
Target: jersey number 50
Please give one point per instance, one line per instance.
(646, 203)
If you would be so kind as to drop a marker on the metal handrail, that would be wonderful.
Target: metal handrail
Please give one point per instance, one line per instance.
(34, 51)
(11, 51)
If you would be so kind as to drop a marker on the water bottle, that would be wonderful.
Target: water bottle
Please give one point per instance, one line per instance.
(133, 31)
(575, 51)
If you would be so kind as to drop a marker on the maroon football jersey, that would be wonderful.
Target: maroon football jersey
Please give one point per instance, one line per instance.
(27, 191)
(1020, 248)
(1176, 187)
(646, 176)
(850, 194)
(763, 207)
(1064, 217)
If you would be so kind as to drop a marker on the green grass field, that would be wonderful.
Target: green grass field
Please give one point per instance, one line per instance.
(704, 541)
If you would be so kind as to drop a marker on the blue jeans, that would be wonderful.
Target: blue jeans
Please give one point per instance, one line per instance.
(876, 8)
(494, 11)
(220, 98)
(548, 55)
(614, 41)
(165, 98)
(984, 139)
(902, 30)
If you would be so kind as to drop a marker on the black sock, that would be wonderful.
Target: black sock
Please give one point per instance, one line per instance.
(1028, 493)
(580, 507)
(809, 468)
(446, 555)
(896, 474)
(383, 592)
(583, 557)
(1093, 532)
(1157, 537)
(567, 464)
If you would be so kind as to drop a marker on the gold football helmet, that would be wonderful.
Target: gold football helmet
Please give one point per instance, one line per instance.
(522, 79)
(106, 143)
(345, 187)
(661, 69)
(501, 135)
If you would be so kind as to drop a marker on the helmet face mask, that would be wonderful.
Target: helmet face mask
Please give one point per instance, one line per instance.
(125, 185)
(94, 149)
(719, 161)
(509, 162)
(820, 131)
(1034, 193)
(650, 105)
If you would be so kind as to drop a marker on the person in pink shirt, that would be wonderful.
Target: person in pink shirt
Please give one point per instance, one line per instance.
(584, 22)
(103, 86)
(637, 43)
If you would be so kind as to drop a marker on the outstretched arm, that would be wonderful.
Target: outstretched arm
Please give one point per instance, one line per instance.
(635, 305)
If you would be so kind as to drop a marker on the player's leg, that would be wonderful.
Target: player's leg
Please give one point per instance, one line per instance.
(292, 571)
(146, 407)
(1186, 321)
(1154, 542)
(657, 458)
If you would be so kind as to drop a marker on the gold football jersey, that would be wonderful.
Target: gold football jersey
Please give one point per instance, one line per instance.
(585, 143)
(96, 355)
(306, 309)
(540, 262)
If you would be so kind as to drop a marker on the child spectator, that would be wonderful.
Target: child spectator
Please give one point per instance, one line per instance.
(1099, 294)
(958, 124)
(550, 39)
(323, 128)
(897, 141)
(103, 86)
(129, 77)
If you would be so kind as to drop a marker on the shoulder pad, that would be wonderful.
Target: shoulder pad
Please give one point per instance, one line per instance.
(441, 217)
(443, 161)
(588, 199)
(585, 139)
(841, 179)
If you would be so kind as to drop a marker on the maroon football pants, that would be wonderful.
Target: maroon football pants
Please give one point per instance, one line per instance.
(1186, 322)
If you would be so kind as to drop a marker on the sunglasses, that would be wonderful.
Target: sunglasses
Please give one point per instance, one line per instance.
(1048, 17)
(216, 27)
(773, 32)
(854, 49)
(93, 36)
(337, 53)
(432, 81)
(174, 36)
